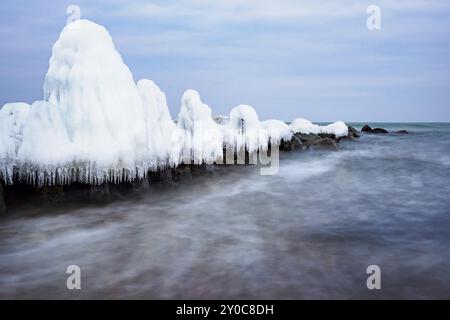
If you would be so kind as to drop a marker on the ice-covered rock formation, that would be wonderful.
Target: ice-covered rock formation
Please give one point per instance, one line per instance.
(12, 119)
(245, 131)
(203, 137)
(165, 139)
(339, 129)
(277, 130)
(96, 124)
(97, 98)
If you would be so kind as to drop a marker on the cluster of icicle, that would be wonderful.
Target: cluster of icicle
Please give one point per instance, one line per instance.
(97, 125)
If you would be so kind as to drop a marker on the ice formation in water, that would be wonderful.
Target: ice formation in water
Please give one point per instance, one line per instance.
(339, 129)
(96, 124)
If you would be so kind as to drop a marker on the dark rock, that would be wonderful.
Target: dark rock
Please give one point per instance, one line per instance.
(2, 199)
(379, 130)
(162, 176)
(352, 132)
(99, 192)
(327, 135)
(296, 143)
(402, 131)
(50, 194)
(325, 143)
(307, 139)
(290, 145)
(182, 171)
(367, 129)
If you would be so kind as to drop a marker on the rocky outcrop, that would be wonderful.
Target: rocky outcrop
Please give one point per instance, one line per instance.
(327, 135)
(352, 132)
(325, 144)
(307, 139)
(367, 129)
(318, 141)
(401, 131)
(291, 145)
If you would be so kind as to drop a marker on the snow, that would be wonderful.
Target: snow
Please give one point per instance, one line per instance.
(97, 125)
(339, 129)
(304, 126)
(277, 130)
(221, 119)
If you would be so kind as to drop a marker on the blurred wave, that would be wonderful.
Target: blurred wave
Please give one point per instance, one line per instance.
(308, 232)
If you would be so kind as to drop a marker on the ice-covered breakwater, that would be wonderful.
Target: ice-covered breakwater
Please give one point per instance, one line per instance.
(97, 125)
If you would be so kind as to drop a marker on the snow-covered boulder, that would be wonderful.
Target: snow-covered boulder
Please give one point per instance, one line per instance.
(245, 131)
(277, 130)
(203, 138)
(339, 129)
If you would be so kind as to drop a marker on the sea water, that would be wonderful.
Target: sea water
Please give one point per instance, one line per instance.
(310, 231)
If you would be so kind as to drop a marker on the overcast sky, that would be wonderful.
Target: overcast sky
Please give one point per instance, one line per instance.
(286, 58)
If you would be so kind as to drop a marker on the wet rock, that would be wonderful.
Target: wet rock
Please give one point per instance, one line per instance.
(352, 132)
(307, 139)
(290, 145)
(296, 143)
(379, 130)
(163, 176)
(50, 194)
(325, 143)
(401, 131)
(327, 135)
(99, 192)
(367, 129)
(181, 172)
(2, 199)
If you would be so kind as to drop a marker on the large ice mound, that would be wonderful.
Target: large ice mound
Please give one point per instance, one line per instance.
(96, 124)
(97, 97)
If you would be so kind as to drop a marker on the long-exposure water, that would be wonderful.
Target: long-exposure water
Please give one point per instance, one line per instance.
(309, 231)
